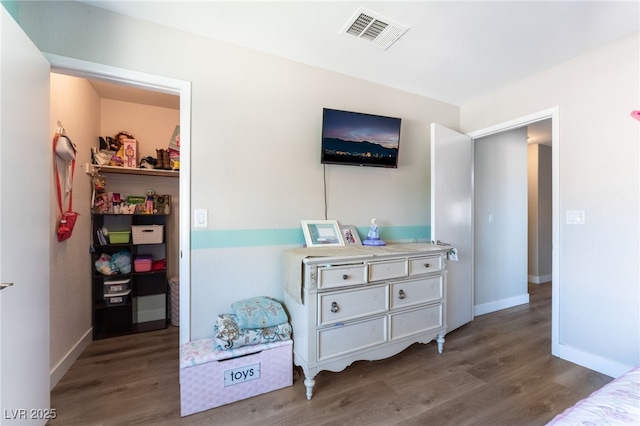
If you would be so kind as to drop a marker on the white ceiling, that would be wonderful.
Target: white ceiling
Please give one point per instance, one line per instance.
(453, 51)
(123, 93)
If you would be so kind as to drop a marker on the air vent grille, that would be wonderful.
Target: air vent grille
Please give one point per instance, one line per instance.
(374, 29)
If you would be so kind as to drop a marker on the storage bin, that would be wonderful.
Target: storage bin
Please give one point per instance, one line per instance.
(142, 263)
(210, 378)
(116, 286)
(117, 299)
(119, 237)
(147, 234)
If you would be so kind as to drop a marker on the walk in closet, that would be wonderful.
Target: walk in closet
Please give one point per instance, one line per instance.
(90, 109)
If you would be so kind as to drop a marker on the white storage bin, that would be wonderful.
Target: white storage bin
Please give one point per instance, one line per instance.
(117, 299)
(147, 234)
(116, 286)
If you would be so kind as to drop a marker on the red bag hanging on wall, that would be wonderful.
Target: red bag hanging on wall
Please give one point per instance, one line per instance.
(67, 218)
(65, 224)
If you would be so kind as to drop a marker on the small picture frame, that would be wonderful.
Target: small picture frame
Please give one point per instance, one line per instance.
(322, 233)
(350, 235)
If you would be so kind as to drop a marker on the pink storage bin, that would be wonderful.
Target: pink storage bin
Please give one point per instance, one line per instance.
(207, 376)
(142, 263)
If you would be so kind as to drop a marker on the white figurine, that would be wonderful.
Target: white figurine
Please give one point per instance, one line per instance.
(373, 239)
(373, 232)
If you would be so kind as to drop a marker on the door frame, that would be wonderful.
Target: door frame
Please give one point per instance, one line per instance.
(182, 88)
(553, 114)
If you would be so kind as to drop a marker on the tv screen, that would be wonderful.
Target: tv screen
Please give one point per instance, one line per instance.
(358, 139)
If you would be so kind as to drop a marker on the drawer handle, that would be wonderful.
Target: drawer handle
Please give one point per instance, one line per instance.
(401, 294)
(345, 277)
(334, 307)
(426, 265)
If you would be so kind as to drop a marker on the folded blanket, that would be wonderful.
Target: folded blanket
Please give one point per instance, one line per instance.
(197, 352)
(259, 312)
(228, 335)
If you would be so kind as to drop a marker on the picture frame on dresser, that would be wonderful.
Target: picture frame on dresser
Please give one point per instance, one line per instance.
(350, 235)
(322, 233)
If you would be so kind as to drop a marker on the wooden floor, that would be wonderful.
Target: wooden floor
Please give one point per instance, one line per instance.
(496, 370)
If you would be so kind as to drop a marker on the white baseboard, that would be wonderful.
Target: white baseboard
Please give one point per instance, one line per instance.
(498, 305)
(593, 362)
(67, 361)
(539, 279)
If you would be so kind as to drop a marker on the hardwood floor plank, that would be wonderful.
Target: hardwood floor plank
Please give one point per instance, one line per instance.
(496, 370)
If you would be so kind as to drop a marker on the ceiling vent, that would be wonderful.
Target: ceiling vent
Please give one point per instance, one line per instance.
(374, 29)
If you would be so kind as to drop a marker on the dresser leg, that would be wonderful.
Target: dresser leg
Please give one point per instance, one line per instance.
(440, 341)
(309, 383)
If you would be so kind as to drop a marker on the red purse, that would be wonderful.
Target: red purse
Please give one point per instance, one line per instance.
(68, 218)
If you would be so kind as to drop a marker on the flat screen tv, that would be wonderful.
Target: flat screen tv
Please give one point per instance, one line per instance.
(358, 139)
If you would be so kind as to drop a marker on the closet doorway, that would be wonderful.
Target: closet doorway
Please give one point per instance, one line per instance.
(134, 87)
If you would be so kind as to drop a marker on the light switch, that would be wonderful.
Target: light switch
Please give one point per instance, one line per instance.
(575, 217)
(200, 218)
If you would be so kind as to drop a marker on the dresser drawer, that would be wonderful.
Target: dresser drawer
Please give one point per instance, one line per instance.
(416, 321)
(414, 292)
(343, 339)
(351, 304)
(424, 265)
(340, 276)
(385, 270)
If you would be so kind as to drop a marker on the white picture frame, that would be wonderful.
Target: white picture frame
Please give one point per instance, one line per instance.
(322, 233)
(350, 235)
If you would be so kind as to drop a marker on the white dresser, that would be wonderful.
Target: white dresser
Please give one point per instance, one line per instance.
(362, 303)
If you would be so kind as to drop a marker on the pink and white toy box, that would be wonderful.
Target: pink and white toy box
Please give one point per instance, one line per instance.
(210, 378)
(130, 150)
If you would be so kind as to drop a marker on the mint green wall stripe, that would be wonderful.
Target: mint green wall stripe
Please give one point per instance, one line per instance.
(229, 238)
(212, 238)
(12, 7)
(400, 232)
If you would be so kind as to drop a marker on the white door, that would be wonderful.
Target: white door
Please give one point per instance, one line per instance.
(452, 216)
(25, 176)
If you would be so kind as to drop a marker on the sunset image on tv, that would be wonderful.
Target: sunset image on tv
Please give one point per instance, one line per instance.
(359, 139)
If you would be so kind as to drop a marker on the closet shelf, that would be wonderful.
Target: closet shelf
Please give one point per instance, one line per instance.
(92, 168)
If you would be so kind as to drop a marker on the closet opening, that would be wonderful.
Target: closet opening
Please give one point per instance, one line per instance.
(120, 91)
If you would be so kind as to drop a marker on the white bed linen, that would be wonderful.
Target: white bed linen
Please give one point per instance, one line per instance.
(617, 403)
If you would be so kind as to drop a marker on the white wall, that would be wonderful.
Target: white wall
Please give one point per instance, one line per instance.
(500, 221)
(532, 191)
(540, 210)
(152, 126)
(598, 287)
(70, 262)
(256, 146)
(545, 213)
